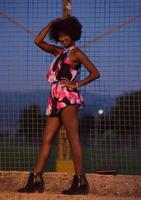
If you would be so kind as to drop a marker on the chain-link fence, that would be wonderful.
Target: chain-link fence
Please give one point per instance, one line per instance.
(110, 124)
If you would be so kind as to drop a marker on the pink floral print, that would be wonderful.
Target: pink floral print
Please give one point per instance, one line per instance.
(60, 95)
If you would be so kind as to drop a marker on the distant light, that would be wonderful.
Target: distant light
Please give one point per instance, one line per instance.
(100, 111)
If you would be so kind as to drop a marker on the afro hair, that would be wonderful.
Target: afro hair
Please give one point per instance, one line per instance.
(70, 26)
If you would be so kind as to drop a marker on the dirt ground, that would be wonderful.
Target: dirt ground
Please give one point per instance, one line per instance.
(49, 196)
(102, 187)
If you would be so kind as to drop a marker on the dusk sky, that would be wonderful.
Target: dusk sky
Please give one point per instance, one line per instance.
(111, 38)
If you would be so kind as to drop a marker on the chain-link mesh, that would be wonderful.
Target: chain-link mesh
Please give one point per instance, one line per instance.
(110, 124)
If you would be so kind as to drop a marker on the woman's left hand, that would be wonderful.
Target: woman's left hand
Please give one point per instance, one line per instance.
(68, 83)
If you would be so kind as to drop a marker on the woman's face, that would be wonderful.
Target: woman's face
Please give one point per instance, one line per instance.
(65, 39)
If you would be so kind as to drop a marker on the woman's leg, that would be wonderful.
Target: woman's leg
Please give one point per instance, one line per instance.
(52, 126)
(35, 180)
(71, 124)
(70, 120)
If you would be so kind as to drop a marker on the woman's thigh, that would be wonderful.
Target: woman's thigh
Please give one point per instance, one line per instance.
(53, 124)
(70, 121)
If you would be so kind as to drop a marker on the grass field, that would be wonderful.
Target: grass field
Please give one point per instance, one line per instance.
(21, 155)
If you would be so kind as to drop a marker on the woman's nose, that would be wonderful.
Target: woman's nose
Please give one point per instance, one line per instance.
(61, 38)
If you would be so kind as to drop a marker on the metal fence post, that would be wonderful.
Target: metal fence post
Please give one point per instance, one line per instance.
(64, 161)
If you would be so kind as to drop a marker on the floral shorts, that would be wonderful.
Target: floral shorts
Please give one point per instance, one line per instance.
(61, 97)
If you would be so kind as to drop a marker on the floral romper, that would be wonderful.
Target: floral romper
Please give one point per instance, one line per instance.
(61, 96)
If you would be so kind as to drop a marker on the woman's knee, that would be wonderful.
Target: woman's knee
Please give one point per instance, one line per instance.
(47, 140)
(48, 137)
(50, 130)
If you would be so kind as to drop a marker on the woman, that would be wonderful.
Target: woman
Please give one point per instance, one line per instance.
(65, 100)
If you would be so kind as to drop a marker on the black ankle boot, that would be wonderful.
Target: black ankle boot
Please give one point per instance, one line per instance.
(79, 186)
(35, 183)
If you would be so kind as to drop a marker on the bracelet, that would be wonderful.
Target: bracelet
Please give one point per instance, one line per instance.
(76, 84)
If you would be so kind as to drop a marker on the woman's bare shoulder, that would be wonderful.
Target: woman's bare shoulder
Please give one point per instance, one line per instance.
(76, 50)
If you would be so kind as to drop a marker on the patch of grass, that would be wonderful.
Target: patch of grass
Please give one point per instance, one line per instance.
(22, 155)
